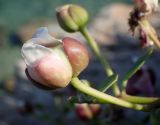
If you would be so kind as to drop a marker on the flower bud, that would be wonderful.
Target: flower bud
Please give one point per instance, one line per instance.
(77, 55)
(51, 63)
(87, 111)
(47, 67)
(95, 108)
(72, 17)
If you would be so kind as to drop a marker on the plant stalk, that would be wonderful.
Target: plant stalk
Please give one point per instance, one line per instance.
(149, 30)
(91, 42)
(102, 97)
(140, 100)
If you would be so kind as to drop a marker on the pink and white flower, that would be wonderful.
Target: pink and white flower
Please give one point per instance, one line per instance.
(51, 63)
(47, 66)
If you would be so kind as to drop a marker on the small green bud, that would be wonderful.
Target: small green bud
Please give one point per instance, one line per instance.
(72, 17)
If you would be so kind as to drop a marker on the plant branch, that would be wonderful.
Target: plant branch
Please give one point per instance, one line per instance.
(102, 97)
(140, 100)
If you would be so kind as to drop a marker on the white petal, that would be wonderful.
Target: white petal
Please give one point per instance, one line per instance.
(32, 52)
(151, 5)
(45, 37)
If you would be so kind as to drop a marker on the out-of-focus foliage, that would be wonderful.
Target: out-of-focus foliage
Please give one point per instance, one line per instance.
(16, 12)
(8, 58)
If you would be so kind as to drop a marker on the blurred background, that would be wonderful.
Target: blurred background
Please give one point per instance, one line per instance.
(21, 103)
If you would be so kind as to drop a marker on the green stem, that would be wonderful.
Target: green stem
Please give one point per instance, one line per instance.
(91, 42)
(140, 100)
(140, 62)
(150, 32)
(102, 97)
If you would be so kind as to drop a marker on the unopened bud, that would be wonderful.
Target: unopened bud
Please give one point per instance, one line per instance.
(51, 63)
(87, 111)
(49, 67)
(72, 17)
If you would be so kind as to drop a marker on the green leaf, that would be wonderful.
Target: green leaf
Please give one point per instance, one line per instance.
(108, 83)
(140, 62)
